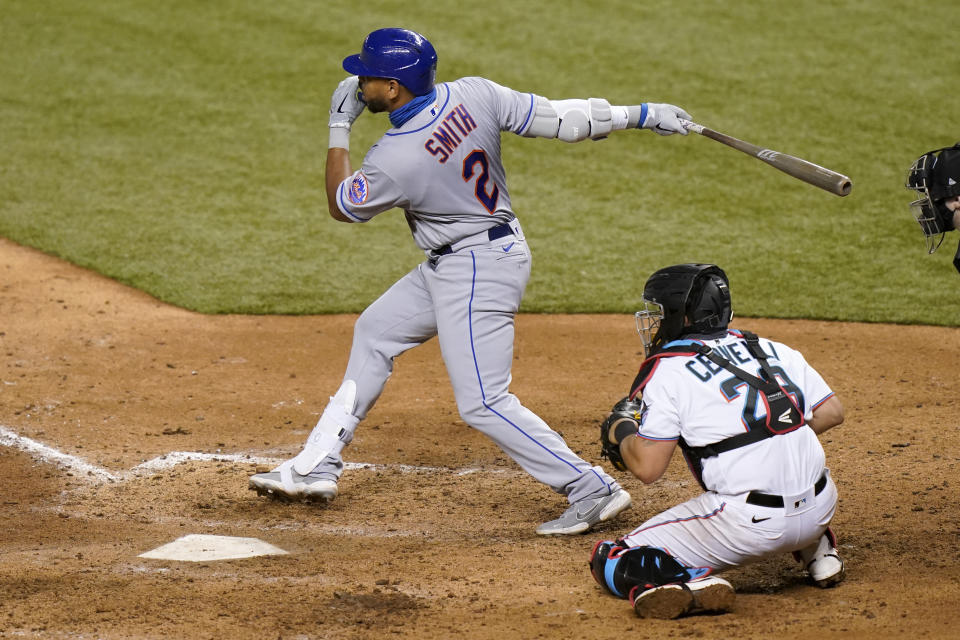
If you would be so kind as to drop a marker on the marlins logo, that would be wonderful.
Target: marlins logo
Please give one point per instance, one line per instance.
(358, 189)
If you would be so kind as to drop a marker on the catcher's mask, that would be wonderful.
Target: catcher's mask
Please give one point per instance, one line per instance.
(682, 299)
(935, 176)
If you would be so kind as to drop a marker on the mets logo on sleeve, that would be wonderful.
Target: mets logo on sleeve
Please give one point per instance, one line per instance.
(358, 189)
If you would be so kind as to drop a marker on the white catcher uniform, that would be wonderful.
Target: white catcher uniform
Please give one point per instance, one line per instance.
(694, 399)
(442, 166)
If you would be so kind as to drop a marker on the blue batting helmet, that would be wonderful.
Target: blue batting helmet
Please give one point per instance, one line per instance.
(400, 54)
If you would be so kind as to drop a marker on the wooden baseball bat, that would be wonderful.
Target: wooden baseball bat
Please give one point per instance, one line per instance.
(801, 169)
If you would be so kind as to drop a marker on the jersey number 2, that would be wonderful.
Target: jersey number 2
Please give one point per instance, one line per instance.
(488, 200)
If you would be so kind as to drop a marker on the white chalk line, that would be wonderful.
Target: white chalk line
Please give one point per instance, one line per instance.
(84, 470)
(40, 451)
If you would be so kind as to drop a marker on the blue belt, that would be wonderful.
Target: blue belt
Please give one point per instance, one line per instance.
(493, 233)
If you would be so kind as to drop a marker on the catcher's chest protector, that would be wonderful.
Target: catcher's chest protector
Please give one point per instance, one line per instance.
(782, 413)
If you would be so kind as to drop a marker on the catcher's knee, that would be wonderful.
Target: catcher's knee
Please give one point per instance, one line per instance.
(618, 568)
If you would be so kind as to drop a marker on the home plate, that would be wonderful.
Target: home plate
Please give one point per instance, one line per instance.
(202, 548)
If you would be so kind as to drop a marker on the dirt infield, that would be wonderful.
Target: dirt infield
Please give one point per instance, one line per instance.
(101, 386)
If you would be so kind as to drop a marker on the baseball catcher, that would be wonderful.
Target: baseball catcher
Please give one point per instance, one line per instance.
(935, 176)
(745, 412)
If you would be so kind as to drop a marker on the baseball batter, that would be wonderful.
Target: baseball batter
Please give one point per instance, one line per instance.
(746, 412)
(935, 176)
(440, 162)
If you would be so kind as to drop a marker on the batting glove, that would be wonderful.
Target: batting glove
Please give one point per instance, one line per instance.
(345, 105)
(664, 119)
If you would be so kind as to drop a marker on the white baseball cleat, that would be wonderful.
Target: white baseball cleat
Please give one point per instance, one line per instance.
(300, 489)
(710, 594)
(298, 479)
(822, 561)
(583, 514)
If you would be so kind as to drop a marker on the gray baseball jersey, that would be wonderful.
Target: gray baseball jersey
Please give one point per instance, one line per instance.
(442, 166)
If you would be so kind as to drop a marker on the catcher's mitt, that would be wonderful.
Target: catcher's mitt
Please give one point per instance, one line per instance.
(623, 421)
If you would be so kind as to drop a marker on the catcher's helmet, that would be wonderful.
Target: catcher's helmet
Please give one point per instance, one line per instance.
(682, 299)
(935, 176)
(400, 54)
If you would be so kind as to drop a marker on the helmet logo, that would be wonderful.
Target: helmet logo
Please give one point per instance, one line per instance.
(951, 182)
(358, 189)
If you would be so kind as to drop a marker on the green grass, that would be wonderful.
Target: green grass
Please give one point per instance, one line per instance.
(178, 147)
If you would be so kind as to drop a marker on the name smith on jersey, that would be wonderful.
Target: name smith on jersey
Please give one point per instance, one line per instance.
(452, 130)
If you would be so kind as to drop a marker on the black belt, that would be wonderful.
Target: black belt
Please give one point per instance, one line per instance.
(493, 233)
(767, 500)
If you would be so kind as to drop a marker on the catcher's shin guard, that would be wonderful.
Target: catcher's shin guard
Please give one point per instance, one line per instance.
(600, 557)
(619, 569)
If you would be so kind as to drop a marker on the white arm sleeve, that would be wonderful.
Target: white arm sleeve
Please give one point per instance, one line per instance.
(578, 119)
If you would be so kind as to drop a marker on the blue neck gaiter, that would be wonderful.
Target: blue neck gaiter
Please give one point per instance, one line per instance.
(400, 116)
